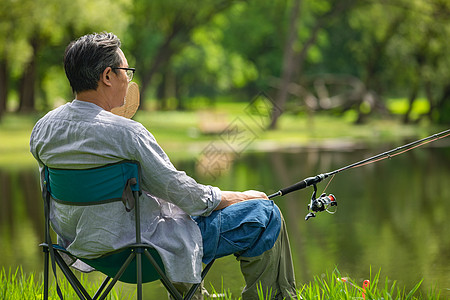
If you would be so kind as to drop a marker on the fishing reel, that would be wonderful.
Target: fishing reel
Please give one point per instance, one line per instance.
(320, 204)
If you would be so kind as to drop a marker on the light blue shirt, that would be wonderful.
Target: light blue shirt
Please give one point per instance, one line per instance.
(80, 135)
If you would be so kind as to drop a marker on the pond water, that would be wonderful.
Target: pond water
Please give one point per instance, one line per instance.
(392, 215)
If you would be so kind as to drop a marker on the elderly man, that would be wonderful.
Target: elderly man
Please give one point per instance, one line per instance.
(186, 222)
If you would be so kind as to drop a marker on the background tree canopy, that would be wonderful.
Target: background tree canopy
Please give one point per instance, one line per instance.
(321, 55)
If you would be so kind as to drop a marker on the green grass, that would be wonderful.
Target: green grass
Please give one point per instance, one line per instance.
(14, 140)
(399, 106)
(17, 285)
(333, 286)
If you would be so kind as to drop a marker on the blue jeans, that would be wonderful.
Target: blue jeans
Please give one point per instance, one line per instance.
(255, 232)
(247, 228)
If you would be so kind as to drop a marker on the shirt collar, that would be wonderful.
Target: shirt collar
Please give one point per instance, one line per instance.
(84, 104)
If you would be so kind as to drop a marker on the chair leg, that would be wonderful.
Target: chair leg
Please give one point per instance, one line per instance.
(46, 256)
(100, 289)
(118, 275)
(192, 291)
(73, 280)
(139, 273)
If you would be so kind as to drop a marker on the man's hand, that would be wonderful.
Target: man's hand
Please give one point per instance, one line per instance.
(229, 198)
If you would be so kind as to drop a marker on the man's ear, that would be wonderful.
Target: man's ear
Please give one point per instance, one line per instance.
(106, 76)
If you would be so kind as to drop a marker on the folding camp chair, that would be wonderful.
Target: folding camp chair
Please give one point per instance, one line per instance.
(113, 182)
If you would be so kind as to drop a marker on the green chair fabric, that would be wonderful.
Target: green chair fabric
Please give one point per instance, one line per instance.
(138, 263)
(111, 263)
(92, 186)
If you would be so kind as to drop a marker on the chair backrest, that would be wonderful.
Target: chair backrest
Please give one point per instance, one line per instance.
(101, 185)
(92, 186)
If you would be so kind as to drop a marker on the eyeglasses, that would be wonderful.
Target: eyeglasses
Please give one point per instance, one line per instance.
(129, 71)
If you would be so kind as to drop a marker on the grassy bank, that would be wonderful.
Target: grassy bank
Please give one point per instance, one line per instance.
(185, 134)
(17, 285)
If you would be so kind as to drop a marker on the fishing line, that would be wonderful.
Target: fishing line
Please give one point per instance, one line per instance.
(329, 181)
(324, 202)
(412, 145)
(387, 154)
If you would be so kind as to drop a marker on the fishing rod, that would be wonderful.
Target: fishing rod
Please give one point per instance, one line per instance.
(324, 202)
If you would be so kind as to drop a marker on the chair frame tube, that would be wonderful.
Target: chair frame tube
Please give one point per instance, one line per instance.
(118, 275)
(100, 289)
(138, 241)
(46, 256)
(73, 280)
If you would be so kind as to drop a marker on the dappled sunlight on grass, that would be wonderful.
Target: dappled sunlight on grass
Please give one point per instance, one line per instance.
(15, 133)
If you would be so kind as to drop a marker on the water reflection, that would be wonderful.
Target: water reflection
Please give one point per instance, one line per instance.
(21, 221)
(391, 215)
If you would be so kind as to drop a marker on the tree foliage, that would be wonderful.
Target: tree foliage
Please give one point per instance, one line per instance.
(33, 35)
(308, 55)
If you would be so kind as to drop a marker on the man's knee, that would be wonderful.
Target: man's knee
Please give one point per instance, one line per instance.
(269, 233)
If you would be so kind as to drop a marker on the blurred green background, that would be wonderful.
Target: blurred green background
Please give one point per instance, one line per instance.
(308, 56)
(310, 85)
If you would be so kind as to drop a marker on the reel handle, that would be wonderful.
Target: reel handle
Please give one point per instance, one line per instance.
(302, 184)
(310, 215)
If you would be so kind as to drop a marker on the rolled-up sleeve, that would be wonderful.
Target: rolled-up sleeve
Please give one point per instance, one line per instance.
(161, 179)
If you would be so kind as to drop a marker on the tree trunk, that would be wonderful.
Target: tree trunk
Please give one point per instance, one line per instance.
(445, 97)
(3, 86)
(412, 97)
(372, 65)
(443, 106)
(292, 60)
(27, 82)
(288, 66)
(162, 57)
(174, 42)
(430, 98)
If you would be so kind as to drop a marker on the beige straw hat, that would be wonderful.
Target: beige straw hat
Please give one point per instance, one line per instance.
(131, 105)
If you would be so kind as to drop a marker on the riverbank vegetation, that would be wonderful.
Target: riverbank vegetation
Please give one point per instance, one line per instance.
(185, 134)
(14, 284)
